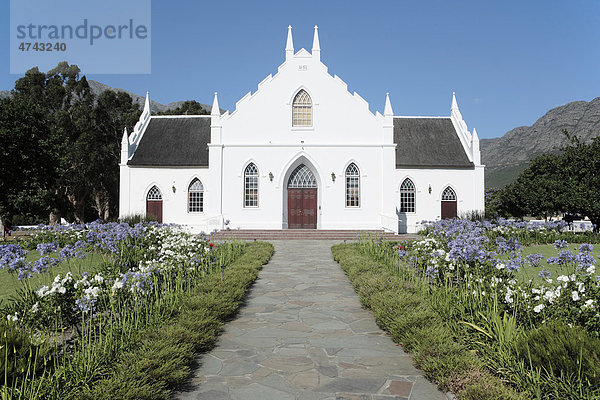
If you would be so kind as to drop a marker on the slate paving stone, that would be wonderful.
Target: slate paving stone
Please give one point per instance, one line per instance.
(303, 335)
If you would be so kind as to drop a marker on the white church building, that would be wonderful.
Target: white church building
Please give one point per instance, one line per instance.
(301, 152)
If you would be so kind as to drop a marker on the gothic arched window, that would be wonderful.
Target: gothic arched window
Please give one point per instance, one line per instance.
(352, 186)
(251, 186)
(449, 194)
(302, 109)
(196, 196)
(154, 194)
(407, 196)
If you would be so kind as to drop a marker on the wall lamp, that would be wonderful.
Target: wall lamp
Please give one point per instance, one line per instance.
(173, 188)
(429, 189)
(333, 176)
(271, 176)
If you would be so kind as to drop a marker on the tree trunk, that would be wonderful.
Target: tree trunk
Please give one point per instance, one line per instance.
(101, 204)
(54, 218)
(78, 203)
(595, 220)
(2, 227)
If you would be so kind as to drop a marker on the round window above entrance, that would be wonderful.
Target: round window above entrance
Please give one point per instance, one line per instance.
(302, 177)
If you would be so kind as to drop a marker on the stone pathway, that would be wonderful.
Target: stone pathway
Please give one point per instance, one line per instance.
(303, 335)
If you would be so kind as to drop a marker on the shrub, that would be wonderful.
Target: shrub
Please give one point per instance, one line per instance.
(137, 218)
(562, 350)
(19, 356)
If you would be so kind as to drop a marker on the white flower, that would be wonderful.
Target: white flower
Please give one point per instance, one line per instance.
(591, 270)
(563, 278)
(580, 287)
(538, 308)
(500, 266)
(98, 278)
(117, 285)
(575, 295)
(588, 303)
(13, 318)
(42, 291)
(92, 292)
(35, 307)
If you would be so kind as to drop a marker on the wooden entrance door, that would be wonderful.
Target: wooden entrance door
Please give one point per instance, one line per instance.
(302, 208)
(154, 208)
(448, 209)
(154, 203)
(448, 203)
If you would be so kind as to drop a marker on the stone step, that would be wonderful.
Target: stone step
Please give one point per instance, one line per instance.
(308, 234)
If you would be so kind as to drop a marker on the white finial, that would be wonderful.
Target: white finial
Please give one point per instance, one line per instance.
(215, 111)
(125, 139)
(316, 49)
(289, 46)
(454, 103)
(387, 111)
(475, 136)
(147, 103)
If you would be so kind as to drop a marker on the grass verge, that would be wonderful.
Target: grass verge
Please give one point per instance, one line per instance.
(402, 308)
(163, 355)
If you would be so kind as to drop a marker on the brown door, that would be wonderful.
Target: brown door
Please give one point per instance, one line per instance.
(302, 208)
(154, 207)
(448, 209)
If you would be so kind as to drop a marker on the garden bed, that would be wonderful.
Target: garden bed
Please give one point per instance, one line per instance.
(131, 328)
(456, 301)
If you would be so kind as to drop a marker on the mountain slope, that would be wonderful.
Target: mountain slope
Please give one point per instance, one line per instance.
(508, 155)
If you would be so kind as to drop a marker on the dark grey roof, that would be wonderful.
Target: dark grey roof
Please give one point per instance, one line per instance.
(428, 143)
(179, 141)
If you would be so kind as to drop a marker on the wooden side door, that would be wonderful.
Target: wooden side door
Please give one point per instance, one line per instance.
(309, 208)
(448, 209)
(294, 208)
(154, 207)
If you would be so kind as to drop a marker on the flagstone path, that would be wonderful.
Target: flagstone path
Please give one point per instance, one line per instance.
(303, 335)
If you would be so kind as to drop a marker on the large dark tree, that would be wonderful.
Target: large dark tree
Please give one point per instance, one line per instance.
(80, 144)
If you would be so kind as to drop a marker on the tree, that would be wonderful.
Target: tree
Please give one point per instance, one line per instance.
(190, 107)
(565, 183)
(80, 146)
(25, 159)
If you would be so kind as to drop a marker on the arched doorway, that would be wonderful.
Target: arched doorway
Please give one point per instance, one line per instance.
(154, 204)
(302, 199)
(448, 203)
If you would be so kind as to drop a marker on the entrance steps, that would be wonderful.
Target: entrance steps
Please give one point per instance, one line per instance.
(308, 234)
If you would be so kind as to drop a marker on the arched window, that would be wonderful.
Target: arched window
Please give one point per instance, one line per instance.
(154, 194)
(302, 177)
(407, 196)
(251, 186)
(302, 109)
(352, 186)
(448, 194)
(196, 196)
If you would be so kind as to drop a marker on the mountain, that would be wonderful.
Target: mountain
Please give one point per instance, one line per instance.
(98, 88)
(507, 156)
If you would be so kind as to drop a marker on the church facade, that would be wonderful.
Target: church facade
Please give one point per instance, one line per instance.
(301, 152)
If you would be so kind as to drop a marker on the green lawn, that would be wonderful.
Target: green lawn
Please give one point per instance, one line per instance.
(547, 250)
(9, 284)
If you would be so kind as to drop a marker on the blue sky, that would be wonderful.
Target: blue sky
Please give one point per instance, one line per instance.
(508, 61)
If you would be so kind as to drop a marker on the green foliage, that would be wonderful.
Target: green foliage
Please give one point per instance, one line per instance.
(20, 357)
(137, 218)
(162, 358)
(558, 183)
(61, 146)
(561, 350)
(190, 107)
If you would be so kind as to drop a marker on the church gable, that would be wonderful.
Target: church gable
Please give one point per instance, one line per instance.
(428, 143)
(174, 141)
